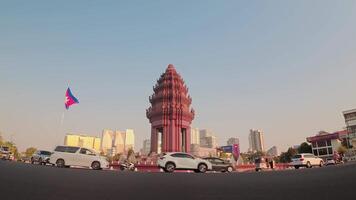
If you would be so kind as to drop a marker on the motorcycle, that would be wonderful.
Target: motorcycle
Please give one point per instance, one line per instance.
(127, 166)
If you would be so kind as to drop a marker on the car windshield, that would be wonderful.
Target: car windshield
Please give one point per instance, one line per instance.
(297, 156)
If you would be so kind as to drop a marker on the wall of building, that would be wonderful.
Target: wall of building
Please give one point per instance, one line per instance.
(83, 141)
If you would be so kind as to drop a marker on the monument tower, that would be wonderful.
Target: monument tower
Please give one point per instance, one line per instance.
(170, 114)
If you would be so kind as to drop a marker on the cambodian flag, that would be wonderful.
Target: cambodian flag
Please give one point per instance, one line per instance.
(70, 99)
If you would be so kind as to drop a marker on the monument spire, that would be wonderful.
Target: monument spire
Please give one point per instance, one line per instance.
(170, 114)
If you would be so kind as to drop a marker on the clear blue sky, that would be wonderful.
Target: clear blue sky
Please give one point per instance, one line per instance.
(286, 67)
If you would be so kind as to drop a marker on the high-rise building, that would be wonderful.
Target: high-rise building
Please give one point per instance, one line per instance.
(273, 151)
(117, 141)
(85, 141)
(350, 121)
(146, 148)
(107, 139)
(170, 114)
(232, 141)
(129, 140)
(195, 136)
(207, 139)
(256, 140)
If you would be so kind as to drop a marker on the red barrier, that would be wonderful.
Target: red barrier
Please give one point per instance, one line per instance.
(152, 167)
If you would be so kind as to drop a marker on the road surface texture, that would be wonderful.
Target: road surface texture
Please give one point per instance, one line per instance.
(22, 181)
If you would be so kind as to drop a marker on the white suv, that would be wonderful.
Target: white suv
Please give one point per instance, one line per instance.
(306, 160)
(177, 160)
(76, 156)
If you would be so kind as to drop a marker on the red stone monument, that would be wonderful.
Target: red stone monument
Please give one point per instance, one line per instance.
(170, 114)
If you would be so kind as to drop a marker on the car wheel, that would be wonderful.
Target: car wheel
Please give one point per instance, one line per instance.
(296, 167)
(40, 161)
(321, 164)
(202, 168)
(32, 161)
(170, 167)
(230, 169)
(95, 165)
(60, 163)
(309, 165)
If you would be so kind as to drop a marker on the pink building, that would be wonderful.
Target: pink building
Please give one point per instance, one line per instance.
(324, 144)
(170, 114)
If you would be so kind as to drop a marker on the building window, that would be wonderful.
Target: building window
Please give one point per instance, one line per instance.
(314, 144)
(323, 152)
(321, 143)
(315, 152)
(330, 150)
(328, 142)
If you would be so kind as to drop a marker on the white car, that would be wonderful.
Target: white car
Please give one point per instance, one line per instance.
(307, 160)
(178, 160)
(75, 156)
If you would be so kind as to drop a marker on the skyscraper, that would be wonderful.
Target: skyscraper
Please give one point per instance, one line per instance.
(107, 139)
(256, 140)
(129, 140)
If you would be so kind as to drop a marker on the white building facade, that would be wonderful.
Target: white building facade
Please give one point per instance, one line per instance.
(207, 139)
(350, 121)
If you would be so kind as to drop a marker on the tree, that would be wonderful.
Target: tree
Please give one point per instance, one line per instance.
(286, 157)
(342, 150)
(131, 156)
(130, 152)
(305, 148)
(116, 157)
(12, 149)
(224, 155)
(30, 151)
(1, 140)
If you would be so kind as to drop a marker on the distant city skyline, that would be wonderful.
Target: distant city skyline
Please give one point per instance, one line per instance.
(286, 68)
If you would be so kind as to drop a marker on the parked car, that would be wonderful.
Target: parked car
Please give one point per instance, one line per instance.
(66, 156)
(40, 157)
(5, 153)
(183, 161)
(307, 160)
(220, 164)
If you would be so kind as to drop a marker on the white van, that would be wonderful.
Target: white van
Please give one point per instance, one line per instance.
(306, 160)
(75, 156)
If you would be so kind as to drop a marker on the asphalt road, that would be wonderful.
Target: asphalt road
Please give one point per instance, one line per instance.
(22, 181)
